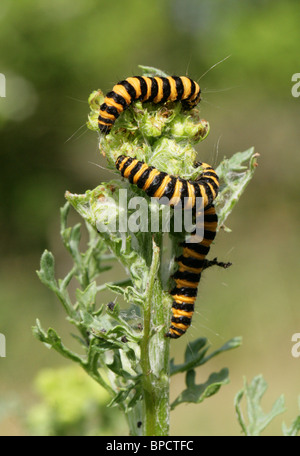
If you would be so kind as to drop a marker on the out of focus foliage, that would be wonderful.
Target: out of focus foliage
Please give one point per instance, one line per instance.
(71, 403)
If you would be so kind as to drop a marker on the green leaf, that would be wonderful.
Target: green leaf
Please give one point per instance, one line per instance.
(295, 427)
(87, 298)
(196, 351)
(70, 235)
(132, 295)
(235, 342)
(104, 329)
(152, 71)
(120, 331)
(98, 324)
(46, 275)
(193, 348)
(133, 389)
(257, 419)
(239, 414)
(235, 174)
(63, 283)
(293, 430)
(73, 241)
(52, 340)
(115, 288)
(137, 393)
(197, 393)
(121, 396)
(46, 272)
(64, 212)
(118, 367)
(39, 333)
(103, 344)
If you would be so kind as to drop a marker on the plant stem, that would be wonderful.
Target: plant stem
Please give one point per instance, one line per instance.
(155, 355)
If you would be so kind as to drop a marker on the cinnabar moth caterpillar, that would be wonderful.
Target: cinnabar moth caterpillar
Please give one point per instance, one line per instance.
(190, 264)
(188, 275)
(160, 184)
(156, 89)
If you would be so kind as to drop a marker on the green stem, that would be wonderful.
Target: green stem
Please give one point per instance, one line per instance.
(155, 356)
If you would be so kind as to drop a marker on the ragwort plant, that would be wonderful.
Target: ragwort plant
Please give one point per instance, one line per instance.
(124, 347)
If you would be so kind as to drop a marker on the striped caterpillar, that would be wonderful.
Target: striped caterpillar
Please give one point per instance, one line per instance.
(159, 184)
(156, 90)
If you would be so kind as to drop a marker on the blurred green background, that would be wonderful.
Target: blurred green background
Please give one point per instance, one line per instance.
(54, 54)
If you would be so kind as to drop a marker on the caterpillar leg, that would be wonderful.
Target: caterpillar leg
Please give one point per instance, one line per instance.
(215, 262)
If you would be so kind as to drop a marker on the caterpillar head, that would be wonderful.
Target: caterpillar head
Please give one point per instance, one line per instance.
(192, 102)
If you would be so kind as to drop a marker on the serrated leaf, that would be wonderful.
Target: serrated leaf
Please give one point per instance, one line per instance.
(239, 414)
(100, 325)
(131, 294)
(123, 393)
(63, 283)
(257, 419)
(103, 344)
(196, 351)
(235, 173)
(52, 340)
(294, 429)
(193, 348)
(46, 272)
(235, 342)
(115, 289)
(120, 331)
(87, 298)
(152, 71)
(197, 393)
(38, 331)
(75, 236)
(236, 162)
(136, 396)
(70, 235)
(64, 212)
(120, 397)
(104, 330)
(118, 367)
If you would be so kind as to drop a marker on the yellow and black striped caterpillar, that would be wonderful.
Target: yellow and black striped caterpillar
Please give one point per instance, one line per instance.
(191, 263)
(157, 90)
(160, 184)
